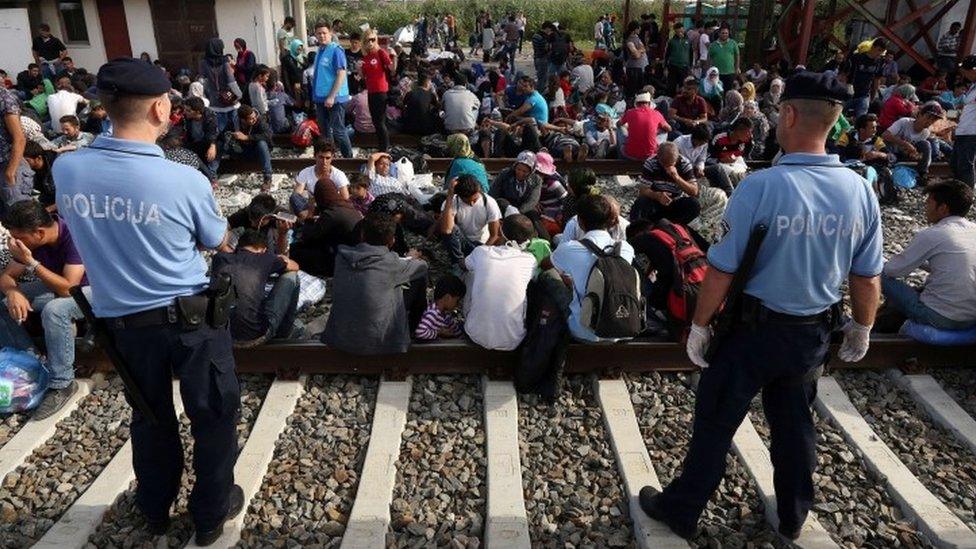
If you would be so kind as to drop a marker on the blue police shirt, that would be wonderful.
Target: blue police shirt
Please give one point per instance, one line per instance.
(137, 219)
(824, 224)
(539, 109)
(576, 260)
(329, 60)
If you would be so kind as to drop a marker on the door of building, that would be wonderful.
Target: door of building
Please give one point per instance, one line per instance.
(182, 29)
(115, 30)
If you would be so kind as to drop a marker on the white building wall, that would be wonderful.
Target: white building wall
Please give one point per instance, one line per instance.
(250, 20)
(142, 37)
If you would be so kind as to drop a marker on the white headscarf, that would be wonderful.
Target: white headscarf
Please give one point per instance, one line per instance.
(196, 90)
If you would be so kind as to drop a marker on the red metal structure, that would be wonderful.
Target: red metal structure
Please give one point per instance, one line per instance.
(798, 23)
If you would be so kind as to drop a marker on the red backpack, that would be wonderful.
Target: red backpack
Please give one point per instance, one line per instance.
(305, 133)
(690, 265)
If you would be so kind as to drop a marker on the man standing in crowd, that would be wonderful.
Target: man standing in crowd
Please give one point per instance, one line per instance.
(140, 222)
(790, 306)
(948, 301)
(41, 246)
(12, 140)
(285, 34)
(963, 160)
(540, 51)
(678, 58)
(330, 89)
(724, 54)
(865, 72)
(948, 48)
(48, 51)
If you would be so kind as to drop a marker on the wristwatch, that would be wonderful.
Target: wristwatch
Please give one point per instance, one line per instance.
(32, 267)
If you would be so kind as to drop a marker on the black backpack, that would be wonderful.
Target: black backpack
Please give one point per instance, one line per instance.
(613, 306)
(542, 355)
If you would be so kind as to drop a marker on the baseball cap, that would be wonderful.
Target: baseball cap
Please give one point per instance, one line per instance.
(933, 109)
(527, 158)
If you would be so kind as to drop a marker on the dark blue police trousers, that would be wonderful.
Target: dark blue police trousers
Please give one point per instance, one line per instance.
(203, 362)
(783, 361)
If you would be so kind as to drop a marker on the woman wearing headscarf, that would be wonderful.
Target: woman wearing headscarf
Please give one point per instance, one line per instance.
(292, 64)
(899, 105)
(711, 89)
(244, 67)
(770, 101)
(760, 129)
(464, 161)
(219, 84)
(731, 110)
(196, 90)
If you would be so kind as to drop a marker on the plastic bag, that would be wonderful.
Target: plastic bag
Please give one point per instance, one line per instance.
(904, 176)
(935, 336)
(422, 187)
(23, 380)
(404, 170)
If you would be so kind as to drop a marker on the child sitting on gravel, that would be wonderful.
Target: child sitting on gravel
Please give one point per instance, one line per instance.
(441, 320)
(359, 194)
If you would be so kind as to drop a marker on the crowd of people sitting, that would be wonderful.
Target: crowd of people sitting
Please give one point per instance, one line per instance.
(521, 244)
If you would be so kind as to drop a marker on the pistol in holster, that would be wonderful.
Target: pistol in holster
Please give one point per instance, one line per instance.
(211, 307)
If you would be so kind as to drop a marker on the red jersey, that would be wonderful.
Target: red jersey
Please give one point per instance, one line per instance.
(375, 67)
(643, 125)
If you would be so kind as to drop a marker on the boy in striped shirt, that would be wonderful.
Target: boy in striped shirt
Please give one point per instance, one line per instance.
(441, 318)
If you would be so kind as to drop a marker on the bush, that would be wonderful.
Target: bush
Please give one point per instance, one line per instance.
(575, 15)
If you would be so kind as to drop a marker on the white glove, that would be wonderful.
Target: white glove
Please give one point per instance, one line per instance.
(698, 340)
(856, 340)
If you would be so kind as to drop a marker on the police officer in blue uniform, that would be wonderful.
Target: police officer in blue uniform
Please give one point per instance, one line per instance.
(139, 222)
(824, 226)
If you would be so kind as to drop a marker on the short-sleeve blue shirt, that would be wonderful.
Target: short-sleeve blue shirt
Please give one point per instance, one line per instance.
(137, 220)
(328, 62)
(824, 224)
(539, 109)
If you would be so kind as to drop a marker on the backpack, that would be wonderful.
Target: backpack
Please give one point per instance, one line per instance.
(689, 269)
(542, 355)
(305, 133)
(613, 306)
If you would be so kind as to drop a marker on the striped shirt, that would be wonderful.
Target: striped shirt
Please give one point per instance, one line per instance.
(435, 320)
(383, 184)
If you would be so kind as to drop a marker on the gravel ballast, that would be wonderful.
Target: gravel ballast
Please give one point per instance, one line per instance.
(38, 492)
(311, 483)
(932, 454)
(665, 410)
(124, 526)
(574, 496)
(441, 483)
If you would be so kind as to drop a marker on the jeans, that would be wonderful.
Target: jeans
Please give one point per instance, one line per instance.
(281, 305)
(259, 150)
(58, 315)
(225, 119)
(783, 361)
(458, 246)
(858, 106)
(332, 125)
(963, 159)
(541, 70)
(907, 301)
(377, 113)
(718, 177)
(21, 189)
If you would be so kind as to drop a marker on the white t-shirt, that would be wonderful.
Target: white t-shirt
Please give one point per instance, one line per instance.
(495, 303)
(696, 155)
(307, 179)
(61, 104)
(473, 220)
(598, 30)
(903, 128)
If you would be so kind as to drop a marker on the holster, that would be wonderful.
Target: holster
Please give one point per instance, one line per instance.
(212, 306)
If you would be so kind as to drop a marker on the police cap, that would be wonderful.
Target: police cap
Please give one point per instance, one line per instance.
(130, 76)
(815, 85)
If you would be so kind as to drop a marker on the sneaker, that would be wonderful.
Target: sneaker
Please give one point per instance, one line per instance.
(54, 400)
(234, 508)
(650, 502)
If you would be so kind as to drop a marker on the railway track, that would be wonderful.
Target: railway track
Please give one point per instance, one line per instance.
(459, 460)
